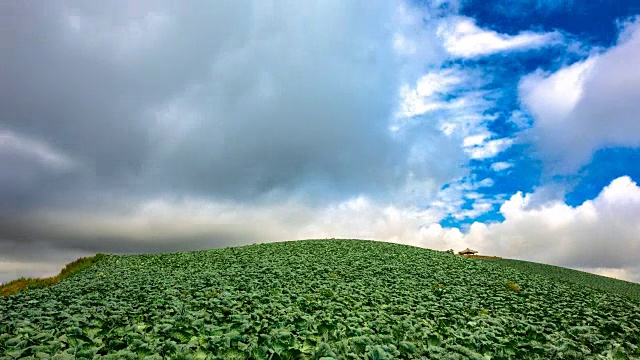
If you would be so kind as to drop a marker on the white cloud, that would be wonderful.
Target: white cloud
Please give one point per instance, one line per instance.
(473, 196)
(430, 91)
(446, 113)
(586, 106)
(455, 98)
(599, 234)
(451, 200)
(468, 121)
(501, 166)
(554, 96)
(415, 39)
(463, 38)
(481, 148)
(441, 82)
(478, 208)
(452, 99)
(475, 140)
(488, 182)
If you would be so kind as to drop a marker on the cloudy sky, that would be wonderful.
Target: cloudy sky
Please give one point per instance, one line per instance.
(162, 126)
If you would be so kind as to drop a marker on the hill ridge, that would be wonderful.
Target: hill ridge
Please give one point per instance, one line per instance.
(313, 299)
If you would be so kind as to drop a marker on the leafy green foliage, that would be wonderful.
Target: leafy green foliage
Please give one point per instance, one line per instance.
(317, 299)
(579, 278)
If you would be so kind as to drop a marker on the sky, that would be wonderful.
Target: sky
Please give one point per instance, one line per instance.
(165, 126)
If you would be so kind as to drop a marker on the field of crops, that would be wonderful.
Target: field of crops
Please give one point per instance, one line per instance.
(322, 299)
(578, 278)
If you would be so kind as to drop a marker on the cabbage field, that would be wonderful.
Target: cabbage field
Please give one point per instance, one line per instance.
(579, 278)
(315, 299)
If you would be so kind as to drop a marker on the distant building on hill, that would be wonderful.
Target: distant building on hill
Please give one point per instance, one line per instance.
(467, 251)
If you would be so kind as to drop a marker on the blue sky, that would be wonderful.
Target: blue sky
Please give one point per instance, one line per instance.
(586, 28)
(508, 127)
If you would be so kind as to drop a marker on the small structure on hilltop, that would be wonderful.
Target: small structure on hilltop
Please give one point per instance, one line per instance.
(467, 251)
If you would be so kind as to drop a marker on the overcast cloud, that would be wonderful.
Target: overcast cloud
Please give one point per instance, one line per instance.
(226, 100)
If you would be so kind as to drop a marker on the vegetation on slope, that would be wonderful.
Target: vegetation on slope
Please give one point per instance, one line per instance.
(324, 299)
(579, 278)
(71, 268)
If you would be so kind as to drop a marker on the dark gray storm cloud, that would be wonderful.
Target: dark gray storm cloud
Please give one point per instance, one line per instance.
(227, 100)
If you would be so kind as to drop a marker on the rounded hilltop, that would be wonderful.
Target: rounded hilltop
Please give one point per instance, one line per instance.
(315, 299)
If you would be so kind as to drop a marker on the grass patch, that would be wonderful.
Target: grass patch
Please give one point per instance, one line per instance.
(71, 268)
(512, 286)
